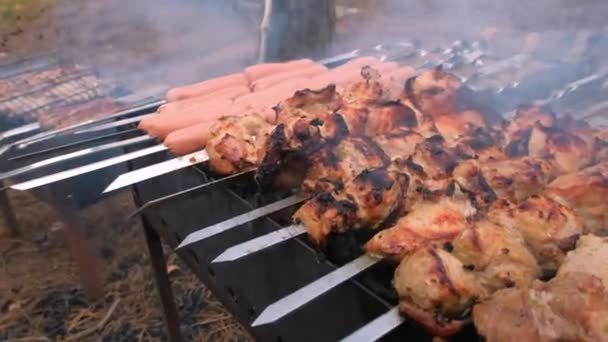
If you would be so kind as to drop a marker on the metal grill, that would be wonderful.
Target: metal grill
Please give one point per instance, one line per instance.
(44, 85)
(250, 285)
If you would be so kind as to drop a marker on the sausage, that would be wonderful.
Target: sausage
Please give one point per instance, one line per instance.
(160, 126)
(273, 80)
(189, 139)
(259, 71)
(192, 90)
(205, 100)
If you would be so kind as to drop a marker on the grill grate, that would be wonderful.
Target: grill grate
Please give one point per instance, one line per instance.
(43, 85)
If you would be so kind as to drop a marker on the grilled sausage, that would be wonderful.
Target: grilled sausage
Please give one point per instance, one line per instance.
(205, 100)
(259, 71)
(273, 80)
(162, 125)
(196, 89)
(189, 139)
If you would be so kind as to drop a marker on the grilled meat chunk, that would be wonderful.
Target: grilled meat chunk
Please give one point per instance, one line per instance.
(426, 222)
(308, 102)
(497, 254)
(571, 307)
(511, 179)
(585, 191)
(234, 143)
(342, 163)
(549, 228)
(517, 131)
(568, 151)
(433, 92)
(431, 281)
(366, 202)
(399, 144)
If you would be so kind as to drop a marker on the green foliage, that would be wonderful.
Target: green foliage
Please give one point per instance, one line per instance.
(13, 12)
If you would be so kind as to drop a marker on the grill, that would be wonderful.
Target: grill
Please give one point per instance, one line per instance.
(249, 285)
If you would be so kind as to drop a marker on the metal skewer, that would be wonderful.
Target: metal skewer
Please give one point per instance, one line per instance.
(27, 185)
(109, 125)
(260, 243)
(377, 328)
(43, 136)
(156, 170)
(19, 130)
(73, 155)
(234, 222)
(293, 301)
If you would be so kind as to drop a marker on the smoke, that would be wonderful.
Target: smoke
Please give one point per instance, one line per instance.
(156, 43)
(162, 43)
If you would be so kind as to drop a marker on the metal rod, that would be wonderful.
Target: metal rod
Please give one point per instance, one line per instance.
(8, 215)
(34, 183)
(293, 301)
(19, 130)
(109, 125)
(75, 154)
(377, 328)
(159, 267)
(156, 170)
(184, 193)
(72, 144)
(207, 232)
(51, 134)
(260, 243)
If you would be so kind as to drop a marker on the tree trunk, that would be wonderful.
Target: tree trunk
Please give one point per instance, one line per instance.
(296, 28)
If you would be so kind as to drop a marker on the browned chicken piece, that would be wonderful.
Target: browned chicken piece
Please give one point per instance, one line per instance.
(427, 221)
(387, 117)
(498, 255)
(434, 287)
(512, 179)
(369, 91)
(342, 163)
(234, 143)
(399, 144)
(586, 192)
(433, 92)
(458, 125)
(571, 307)
(549, 228)
(309, 103)
(517, 130)
(568, 151)
(589, 257)
(366, 202)
(484, 142)
(431, 165)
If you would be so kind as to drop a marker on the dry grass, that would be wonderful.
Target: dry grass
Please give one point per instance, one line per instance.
(40, 295)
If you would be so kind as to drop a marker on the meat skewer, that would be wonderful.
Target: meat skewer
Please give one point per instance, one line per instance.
(421, 317)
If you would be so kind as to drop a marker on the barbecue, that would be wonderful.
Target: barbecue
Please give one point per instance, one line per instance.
(415, 169)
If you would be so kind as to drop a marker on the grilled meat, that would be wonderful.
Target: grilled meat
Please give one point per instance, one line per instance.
(234, 143)
(342, 163)
(433, 92)
(511, 179)
(367, 202)
(549, 228)
(568, 151)
(498, 255)
(585, 192)
(571, 307)
(427, 221)
(399, 143)
(432, 279)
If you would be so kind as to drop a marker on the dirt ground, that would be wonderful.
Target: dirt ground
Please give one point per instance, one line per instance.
(143, 43)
